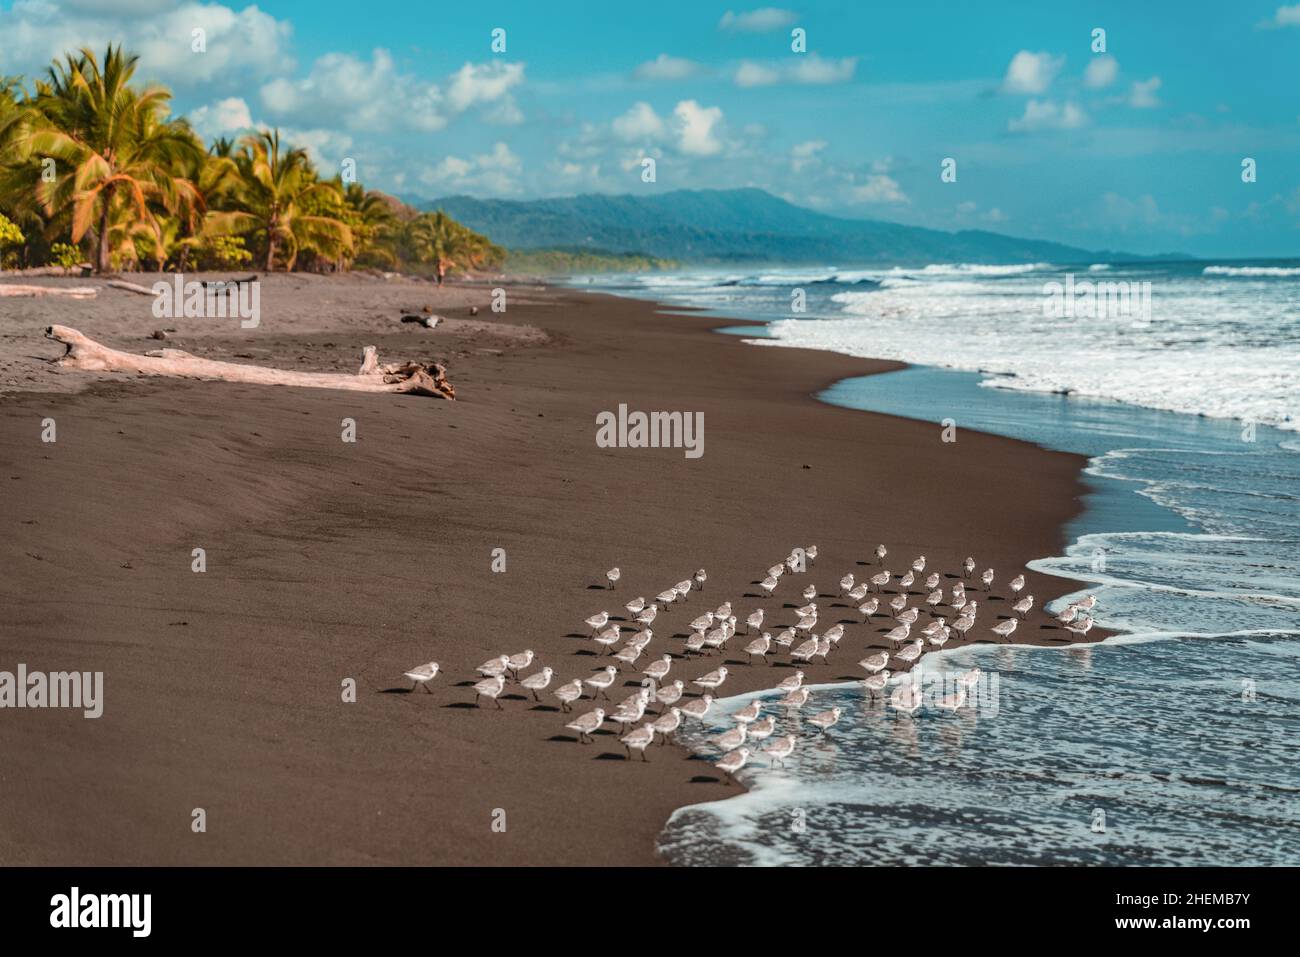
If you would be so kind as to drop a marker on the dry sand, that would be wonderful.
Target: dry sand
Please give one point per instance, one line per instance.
(328, 561)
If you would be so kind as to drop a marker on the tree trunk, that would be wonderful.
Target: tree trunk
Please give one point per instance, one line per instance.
(102, 260)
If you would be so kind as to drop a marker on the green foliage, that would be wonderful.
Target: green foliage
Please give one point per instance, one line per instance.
(10, 235)
(223, 252)
(66, 255)
(565, 262)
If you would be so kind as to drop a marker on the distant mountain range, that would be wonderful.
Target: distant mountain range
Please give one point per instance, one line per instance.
(739, 225)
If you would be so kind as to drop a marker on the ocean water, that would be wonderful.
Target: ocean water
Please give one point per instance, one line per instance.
(1175, 743)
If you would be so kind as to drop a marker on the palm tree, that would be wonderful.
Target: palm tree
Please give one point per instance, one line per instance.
(113, 147)
(279, 199)
(438, 239)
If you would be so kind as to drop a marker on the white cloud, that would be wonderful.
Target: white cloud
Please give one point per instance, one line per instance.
(239, 44)
(697, 128)
(762, 20)
(1142, 95)
(1031, 73)
(493, 172)
(878, 188)
(1048, 115)
(1101, 72)
(475, 84)
(804, 155)
(812, 70)
(665, 67)
(1284, 17)
(750, 74)
(640, 122)
(222, 118)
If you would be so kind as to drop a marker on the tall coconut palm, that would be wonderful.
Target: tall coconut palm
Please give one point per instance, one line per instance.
(438, 239)
(113, 147)
(280, 201)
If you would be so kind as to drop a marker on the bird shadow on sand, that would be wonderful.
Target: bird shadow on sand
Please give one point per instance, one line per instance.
(610, 756)
(514, 697)
(394, 691)
(465, 684)
(543, 707)
(574, 634)
(464, 704)
(598, 588)
(587, 652)
(562, 737)
(704, 779)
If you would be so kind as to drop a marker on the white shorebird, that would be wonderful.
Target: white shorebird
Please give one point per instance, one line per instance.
(806, 623)
(941, 638)
(911, 652)
(934, 598)
(703, 623)
(1087, 602)
(1004, 629)
(759, 646)
(962, 625)
(658, 670)
(918, 566)
(905, 582)
(609, 637)
(494, 667)
(776, 571)
(670, 693)
(791, 563)
(811, 553)
(733, 762)
(791, 683)
(824, 646)
(834, 633)
(538, 682)
(632, 709)
(696, 642)
(666, 597)
(880, 579)
(806, 650)
(785, 638)
(859, 591)
(899, 634)
(597, 622)
(933, 581)
(668, 722)
(823, 721)
(587, 724)
(905, 699)
(908, 616)
(1082, 627)
(423, 675)
(684, 587)
(717, 637)
(723, 611)
(762, 729)
(810, 593)
(712, 680)
(987, 578)
(732, 739)
(755, 620)
(951, 702)
(701, 576)
(768, 585)
(846, 584)
(876, 683)
(970, 609)
(627, 655)
(881, 552)
(796, 698)
(780, 748)
(969, 679)
(698, 707)
(639, 641)
(648, 614)
(517, 663)
(959, 601)
(869, 608)
(875, 663)
(601, 681)
(568, 693)
(612, 576)
(1016, 584)
(490, 688)
(934, 628)
(806, 610)
(1067, 616)
(635, 605)
(967, 567)
(639, 740)
(1022, 607)
(749, 713)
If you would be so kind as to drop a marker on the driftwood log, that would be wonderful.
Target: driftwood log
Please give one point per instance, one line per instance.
(415, 378)
(67, 292)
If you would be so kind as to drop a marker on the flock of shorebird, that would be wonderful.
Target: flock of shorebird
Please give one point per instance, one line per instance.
(712, 629)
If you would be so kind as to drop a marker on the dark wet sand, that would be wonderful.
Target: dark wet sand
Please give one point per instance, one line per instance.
(328, 561)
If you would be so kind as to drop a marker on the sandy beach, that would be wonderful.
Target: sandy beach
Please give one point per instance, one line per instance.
(328, 560)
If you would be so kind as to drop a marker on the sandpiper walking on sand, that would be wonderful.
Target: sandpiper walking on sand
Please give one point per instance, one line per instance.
(601, 680)
(733, 762)
(639, 740)
(569, 693)
(490, 688)
(823, 721)
(612, 576)
(587, 724)
(423, 675)
(538, 682)
(780, 748)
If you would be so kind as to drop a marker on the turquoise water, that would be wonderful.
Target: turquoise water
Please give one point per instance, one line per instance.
(1172, 744)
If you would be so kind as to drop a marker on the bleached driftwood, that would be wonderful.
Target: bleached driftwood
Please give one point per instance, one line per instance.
(407, 377)
(68, 292)
(130, 286)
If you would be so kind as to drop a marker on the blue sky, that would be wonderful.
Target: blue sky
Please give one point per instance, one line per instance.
(1139, 148)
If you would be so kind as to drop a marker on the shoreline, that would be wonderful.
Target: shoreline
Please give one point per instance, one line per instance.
(511, 464)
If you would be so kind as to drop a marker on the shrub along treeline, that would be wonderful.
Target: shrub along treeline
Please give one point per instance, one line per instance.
(567, 261)
(95, 169)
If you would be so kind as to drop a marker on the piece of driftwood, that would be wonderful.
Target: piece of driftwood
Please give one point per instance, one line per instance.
(65, 292)
(130, 286)
(414, 378)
